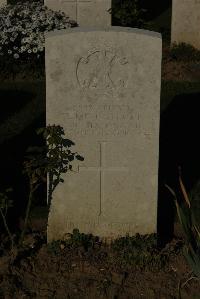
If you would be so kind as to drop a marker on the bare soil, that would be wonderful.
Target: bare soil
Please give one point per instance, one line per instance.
(61, 271)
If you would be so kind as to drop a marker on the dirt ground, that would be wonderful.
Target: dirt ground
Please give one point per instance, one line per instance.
(79, 271)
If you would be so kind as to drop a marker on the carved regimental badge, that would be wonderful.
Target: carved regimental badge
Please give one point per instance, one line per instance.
(102, 72)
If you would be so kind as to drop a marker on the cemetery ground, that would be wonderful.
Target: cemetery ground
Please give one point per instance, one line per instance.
(81, 266)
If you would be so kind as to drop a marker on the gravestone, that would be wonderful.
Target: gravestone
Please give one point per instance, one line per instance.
(85, 12)
(103, 88)
(3, 2)
(186, 22)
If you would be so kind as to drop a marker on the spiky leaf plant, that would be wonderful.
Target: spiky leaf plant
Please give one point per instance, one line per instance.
(190, 228)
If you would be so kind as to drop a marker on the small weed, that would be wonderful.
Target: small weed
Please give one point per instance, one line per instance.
(55, 247)
(74, 240)
(78, 239)
(140, 251)
(191, 229)
(5, 204)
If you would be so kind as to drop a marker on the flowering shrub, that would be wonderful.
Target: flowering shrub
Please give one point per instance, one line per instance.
(22, 28)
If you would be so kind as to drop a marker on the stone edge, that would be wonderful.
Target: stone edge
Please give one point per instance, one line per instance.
(103, 29)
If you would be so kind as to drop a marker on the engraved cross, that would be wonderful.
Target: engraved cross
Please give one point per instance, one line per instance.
(102, 169)
(76, 2)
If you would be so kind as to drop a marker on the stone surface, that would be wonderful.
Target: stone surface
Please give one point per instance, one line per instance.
(3, 2)
(186, 22)
(85, 12)
(103, 88)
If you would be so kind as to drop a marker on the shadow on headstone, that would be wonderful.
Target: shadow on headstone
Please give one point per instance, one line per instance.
(179, 147)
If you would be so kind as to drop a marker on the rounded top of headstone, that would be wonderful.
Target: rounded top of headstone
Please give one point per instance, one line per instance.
(104, 29)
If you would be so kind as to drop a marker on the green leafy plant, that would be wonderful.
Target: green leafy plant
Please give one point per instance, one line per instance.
(53, 160)
(128, 13)
(59, 156)
(194, 196)
(35, 170)
(78, 239)
(74, 240)
(191, 230)
(5, 204)
(55, 247)
(184, 52)
(140, 251)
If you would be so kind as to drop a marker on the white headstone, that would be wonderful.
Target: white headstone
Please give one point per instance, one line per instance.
(85, 12)
(103, 88)
(186, 22)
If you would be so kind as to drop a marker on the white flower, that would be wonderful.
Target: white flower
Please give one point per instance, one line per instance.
(16, 55)
(31, 36)
(40, 48)
(9, 51)
(19, 27)
(23, 48)
(28, 39)
(14, 29)
(29, 51)
(14, 34)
